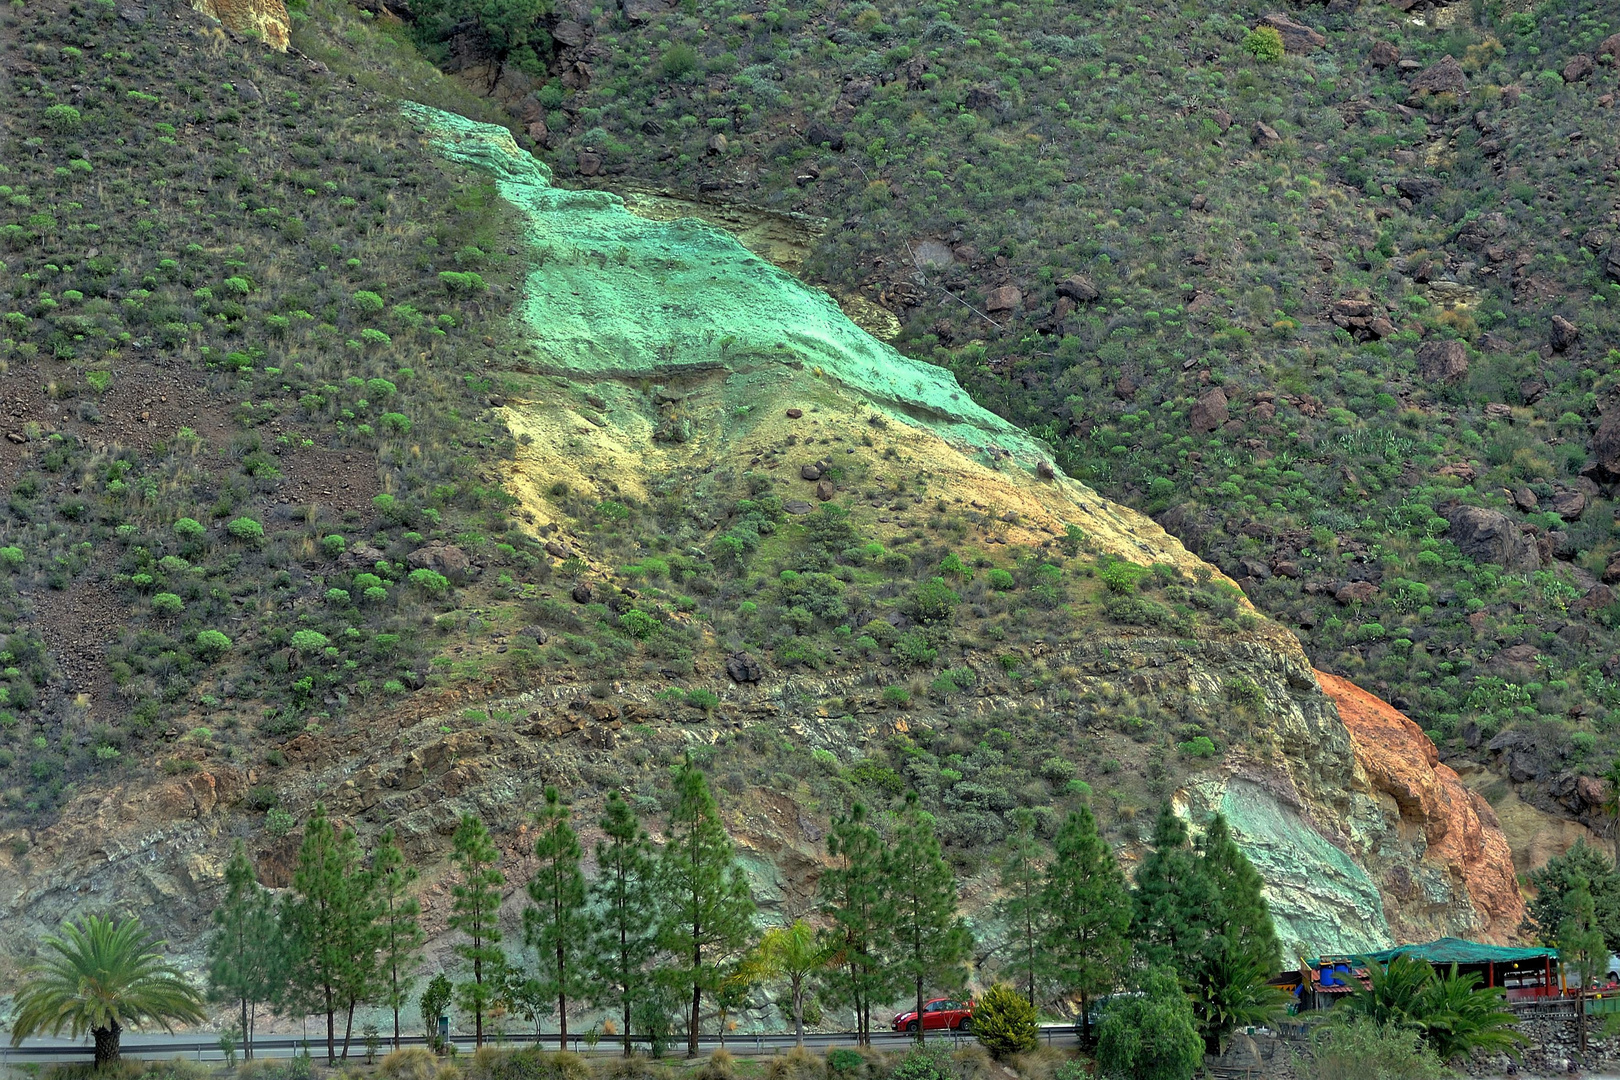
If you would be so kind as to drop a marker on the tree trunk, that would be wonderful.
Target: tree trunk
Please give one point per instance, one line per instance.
(1580, 1020)
(247, 1035)
(396, 1026)
(798, 1012)
(922, 1028)
(107, 1044)
(562, 1021)
(628, 1050)
(331, 1029)
(1085, 1021)
(692, 1031)
(348, 1030)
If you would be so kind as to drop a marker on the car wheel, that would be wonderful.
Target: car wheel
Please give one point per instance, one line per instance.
(966, 1025)
(912, 1026)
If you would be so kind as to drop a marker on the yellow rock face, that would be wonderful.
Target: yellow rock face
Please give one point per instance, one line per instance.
(265, 19)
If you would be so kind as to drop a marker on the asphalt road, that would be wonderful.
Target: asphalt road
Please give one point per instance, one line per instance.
(196, 1047)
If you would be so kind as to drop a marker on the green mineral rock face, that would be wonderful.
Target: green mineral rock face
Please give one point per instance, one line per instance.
(610, 294)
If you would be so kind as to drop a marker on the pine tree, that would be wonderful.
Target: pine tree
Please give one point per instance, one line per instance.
(399, 925)
(243, 957)
(1202, 914)
(1084, 942)
(1022, 906)
(475, 912)
(1172, 897)
(1581, 947)
(854, 897)
(930, 940)
(624, 893)
(331, 926)
(708, 916)
(556, 925)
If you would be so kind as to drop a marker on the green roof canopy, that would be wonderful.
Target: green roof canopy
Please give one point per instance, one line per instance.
(1450, 950)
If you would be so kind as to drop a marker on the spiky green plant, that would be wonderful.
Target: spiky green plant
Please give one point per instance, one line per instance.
(100, 977)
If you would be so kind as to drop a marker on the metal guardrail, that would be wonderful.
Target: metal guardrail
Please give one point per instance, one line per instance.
(293, 1045)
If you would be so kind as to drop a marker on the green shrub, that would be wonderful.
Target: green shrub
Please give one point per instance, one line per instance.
(896, 695)
(934, 601)
(1359, 1046)
(12, 556)
(429, 581)
(308, 641)
(366, 302)
(334, 545)
(1200, 747)
(1264, 44)
(707, 700)
(212, 644)
(63, 119)
(1005, 1022)
(914, 650)
(246, 529)
(679, 59)
(1000, 580)
(639, 624)
(167, 604)
(190, 529)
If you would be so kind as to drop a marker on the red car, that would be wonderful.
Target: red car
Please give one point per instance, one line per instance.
(939, 1013)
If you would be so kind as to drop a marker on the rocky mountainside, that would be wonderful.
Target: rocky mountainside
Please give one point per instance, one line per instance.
(630, 493)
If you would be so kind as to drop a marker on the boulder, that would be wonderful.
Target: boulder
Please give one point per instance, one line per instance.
(1223, 120)
(445, 558)
(1442, 77)
(1296, 37)
(820, 134)
(1490, 536)
(1209, 411)
(1563, 334)
(1004, 298)
(1611, 260)
(1356, 592)
(1442, 361)
(810, 472)
(1363, 318)
(644, 10)
(743, 668)
(1606, 443)
(1078, 288)
(1610, 47)
(1418, 188)
(1568, 505)
(1264, 135)
(716, 144)
(590, 164)
(1383, 55)
(568, 33)
(1578, 67)
(1526, 500)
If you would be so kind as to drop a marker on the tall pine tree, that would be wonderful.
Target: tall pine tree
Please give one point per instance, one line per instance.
(330, 924)
(709, 910)
(625, 932)
(399, 925)
(1581, 947)
(930, 940)
(1202, 914)
(555, 924)
(475, 911)
(855, 899)
(243, 956)
(1087, 915)
(1021, 906)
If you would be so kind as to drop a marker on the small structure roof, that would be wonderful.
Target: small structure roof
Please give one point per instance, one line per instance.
(1450, 950)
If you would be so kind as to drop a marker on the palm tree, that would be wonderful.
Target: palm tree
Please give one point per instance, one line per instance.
(792, 953)
(1453, 1013)
(105, 974)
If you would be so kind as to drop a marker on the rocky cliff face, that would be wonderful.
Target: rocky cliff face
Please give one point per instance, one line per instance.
(266, 20)
(1462, 856)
